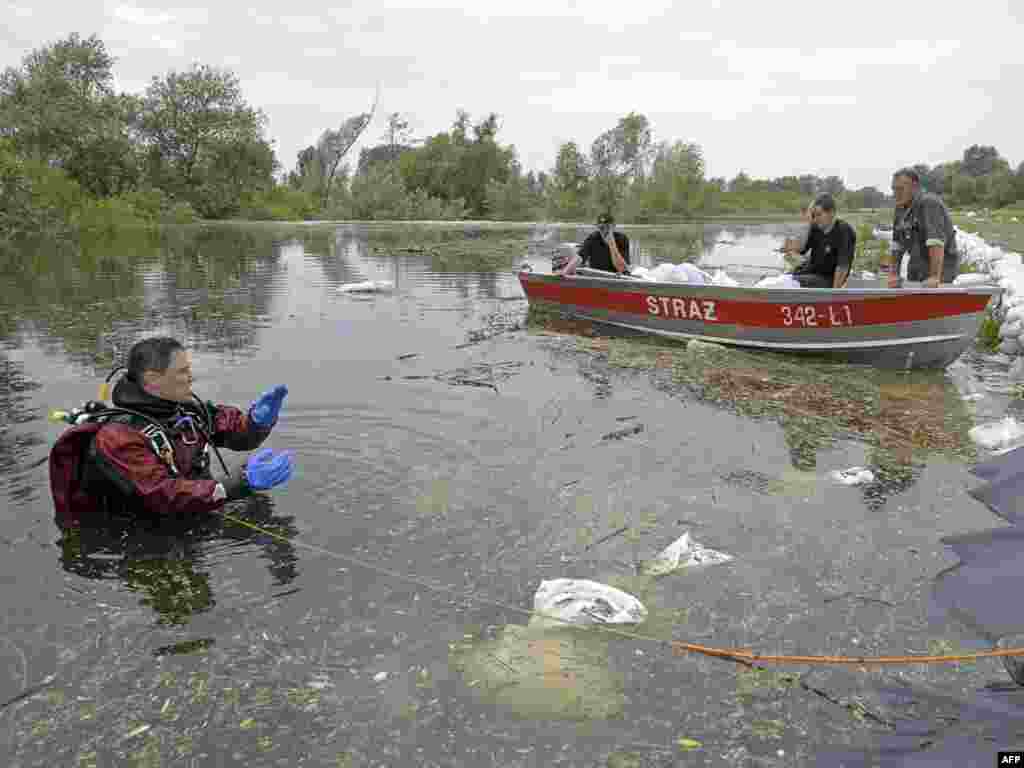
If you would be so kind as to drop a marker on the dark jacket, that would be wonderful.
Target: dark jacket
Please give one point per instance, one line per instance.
(829, 251)
(116, 462)
(596, 254)
(915, 229)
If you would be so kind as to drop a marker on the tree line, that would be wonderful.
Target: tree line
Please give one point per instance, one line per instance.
(77, 156)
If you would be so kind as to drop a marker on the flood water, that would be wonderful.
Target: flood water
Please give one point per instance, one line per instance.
(452, 451)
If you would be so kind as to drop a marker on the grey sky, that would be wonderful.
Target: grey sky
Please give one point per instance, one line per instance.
(772, 88)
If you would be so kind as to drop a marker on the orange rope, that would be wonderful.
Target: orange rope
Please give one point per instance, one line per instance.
(723, 653)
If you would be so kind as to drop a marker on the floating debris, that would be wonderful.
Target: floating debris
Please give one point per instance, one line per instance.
(684, 552)
(852, 476)
(581, 601)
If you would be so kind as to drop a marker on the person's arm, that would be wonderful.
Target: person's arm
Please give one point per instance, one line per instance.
(235, 430)
(124, 456)
(570, 267)
(844, 258)
(617, 261)
(933, 225)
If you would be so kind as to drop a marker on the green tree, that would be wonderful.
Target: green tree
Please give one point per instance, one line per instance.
(569, 186)
(981, 160)
(675, 184)
(455, 166)
(59, 108)
(195, 126)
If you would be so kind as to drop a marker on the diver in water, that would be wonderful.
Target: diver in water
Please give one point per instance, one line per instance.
(150, 452)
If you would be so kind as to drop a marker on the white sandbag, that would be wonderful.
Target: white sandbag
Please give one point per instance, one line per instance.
(684, 552)
(688, 273)
(1016, 372)
(1015, 312)
(997, 434)
(778, 281)
(972, 278)
(641, 273)
(1009, 347)
(581, 601)
(865, 275)
(369, 286)
(721, 278)
(852, 476)
(1010, 330)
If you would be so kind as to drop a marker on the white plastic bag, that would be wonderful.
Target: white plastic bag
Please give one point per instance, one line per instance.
(684, 552)
(972, 278)
(778, 281)
(368, 286)
(688, 273)
(581, 601)
(853, 476)
(1010, 330)
(997, 434)
(722, 278)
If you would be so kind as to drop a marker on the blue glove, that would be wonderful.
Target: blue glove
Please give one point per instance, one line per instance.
(264, 412)
(265, 469)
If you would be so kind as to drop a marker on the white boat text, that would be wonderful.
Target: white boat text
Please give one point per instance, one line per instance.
(682, 309)
(812, 316)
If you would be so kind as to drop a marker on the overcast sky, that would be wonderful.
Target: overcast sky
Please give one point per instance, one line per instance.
(771, 88)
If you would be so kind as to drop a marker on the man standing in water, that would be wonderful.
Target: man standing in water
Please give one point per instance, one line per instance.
(603, 249)
(923, 229)
(150, 453)
(832, 243)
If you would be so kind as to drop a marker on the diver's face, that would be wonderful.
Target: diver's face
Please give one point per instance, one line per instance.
(175, 383)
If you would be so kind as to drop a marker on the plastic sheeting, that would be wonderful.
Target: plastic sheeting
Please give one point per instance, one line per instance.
(778, 281)
(998, 434)
(368, 286)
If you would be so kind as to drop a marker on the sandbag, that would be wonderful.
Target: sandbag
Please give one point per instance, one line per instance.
(997, 434)
(778, 281)
(1010, 330)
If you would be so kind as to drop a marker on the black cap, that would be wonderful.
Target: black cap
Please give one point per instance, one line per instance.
(605, 218)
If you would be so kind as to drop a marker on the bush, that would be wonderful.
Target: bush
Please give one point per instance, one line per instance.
(282, 203)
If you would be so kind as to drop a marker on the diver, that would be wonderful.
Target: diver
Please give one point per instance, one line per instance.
(150, 452)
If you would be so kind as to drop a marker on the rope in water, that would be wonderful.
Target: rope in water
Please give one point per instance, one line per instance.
(678, 647)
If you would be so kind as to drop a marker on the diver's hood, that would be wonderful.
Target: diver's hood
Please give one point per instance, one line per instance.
(129, 394)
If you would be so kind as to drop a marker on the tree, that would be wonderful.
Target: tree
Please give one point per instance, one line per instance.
(189, 120)
(59, 108)
(676, 180)
(570, 179)
(397, 133)
(453, 166)
(618, 157)
(332, 146)
(982, 161)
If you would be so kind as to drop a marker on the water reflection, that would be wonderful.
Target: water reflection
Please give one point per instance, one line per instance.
(16, 446)
(167, 562)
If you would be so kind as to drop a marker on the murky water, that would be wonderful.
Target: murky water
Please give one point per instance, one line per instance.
(445, 433)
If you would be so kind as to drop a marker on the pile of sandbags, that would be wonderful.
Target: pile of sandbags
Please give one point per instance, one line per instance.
(682, 273)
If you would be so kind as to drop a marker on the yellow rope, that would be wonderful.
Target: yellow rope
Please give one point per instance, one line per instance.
(678, 647)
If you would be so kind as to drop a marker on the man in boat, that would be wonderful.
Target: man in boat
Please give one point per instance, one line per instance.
(795, 245)
(603, 249)
(923, 229)
(831, 242)
(150, 452)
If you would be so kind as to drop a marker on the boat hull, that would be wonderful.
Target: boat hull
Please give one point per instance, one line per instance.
(889, 328)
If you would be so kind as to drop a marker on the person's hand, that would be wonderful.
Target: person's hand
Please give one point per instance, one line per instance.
(264, 412)
(931, 282)
(894, 280)
(265, 469)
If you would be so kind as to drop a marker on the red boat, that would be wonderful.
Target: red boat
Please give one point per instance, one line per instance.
(888, 328)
